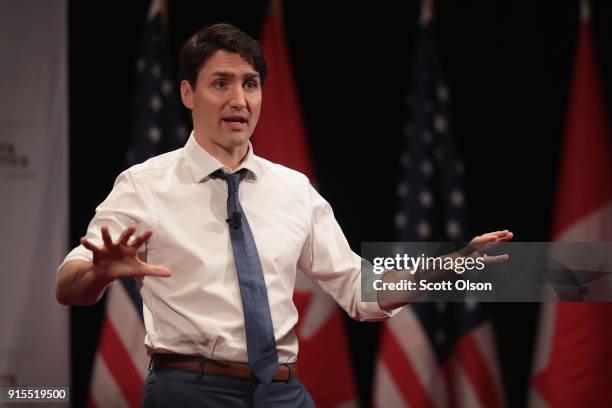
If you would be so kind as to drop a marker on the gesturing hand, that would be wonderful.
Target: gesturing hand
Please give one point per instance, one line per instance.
(119, 260)
(480, 245)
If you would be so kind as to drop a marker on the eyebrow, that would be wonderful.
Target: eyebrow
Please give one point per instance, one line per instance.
(226, 74)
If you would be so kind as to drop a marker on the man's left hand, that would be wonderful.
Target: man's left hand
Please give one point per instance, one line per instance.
(482, 244)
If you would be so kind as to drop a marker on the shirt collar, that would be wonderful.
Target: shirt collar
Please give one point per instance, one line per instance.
(202, 163)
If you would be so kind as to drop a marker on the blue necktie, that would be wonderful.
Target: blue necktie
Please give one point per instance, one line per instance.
(261, 345)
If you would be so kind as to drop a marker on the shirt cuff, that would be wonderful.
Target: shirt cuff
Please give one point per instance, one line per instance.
(79, 253)
(372, 312)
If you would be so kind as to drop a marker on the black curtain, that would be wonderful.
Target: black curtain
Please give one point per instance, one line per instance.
(508, 65)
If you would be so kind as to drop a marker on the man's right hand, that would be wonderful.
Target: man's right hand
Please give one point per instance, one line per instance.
(83, 282)
(115, 260)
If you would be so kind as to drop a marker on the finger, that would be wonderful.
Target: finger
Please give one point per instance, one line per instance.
(87, 244)
(159, 271)
(484, 239)
(499, 240)
(138, 241)
(501, 232)
(496, 234)
(125, 235)
(484, 242)
(490, 260)
(108, 242)
(506, 237)
(479, 242)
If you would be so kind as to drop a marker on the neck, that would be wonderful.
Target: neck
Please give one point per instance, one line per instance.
(230, 157)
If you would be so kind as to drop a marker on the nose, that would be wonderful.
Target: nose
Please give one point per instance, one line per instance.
(237, 98)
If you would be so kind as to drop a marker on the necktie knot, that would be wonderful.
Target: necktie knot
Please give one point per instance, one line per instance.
(232, 179)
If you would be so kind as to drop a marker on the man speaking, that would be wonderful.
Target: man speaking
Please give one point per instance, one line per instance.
(213, 235)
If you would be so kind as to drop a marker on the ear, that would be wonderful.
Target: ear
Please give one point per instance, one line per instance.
(187, 94)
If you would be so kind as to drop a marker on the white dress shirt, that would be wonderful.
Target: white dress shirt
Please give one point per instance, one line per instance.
(198, 310)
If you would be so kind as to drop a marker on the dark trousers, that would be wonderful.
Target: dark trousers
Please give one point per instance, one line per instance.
(171, 388)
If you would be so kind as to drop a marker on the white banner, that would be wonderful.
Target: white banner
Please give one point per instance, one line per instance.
(33, 191)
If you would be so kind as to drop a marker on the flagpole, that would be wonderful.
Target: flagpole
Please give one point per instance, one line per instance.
(585, 11)
(276, 6)
(159, 6)
(426, 16)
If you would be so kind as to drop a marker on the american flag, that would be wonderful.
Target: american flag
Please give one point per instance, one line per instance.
(121, 361)
(434, 354)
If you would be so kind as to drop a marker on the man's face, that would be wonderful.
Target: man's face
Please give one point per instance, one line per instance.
(226, 101)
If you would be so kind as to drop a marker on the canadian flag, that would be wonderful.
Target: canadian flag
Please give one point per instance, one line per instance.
(280, 137)
(573, 361)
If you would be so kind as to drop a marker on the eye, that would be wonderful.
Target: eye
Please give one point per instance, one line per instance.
(219, 84)
(251, 84)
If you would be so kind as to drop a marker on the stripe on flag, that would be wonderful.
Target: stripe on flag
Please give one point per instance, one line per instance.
(386, 389)
(119, 308)
(119, 364)
(104, 388)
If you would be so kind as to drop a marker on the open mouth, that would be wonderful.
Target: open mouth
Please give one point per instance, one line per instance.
(235, 120)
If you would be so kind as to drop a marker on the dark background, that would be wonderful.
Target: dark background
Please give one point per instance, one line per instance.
(508, 66)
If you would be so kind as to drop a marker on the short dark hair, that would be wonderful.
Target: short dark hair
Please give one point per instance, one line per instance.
(206, 41)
